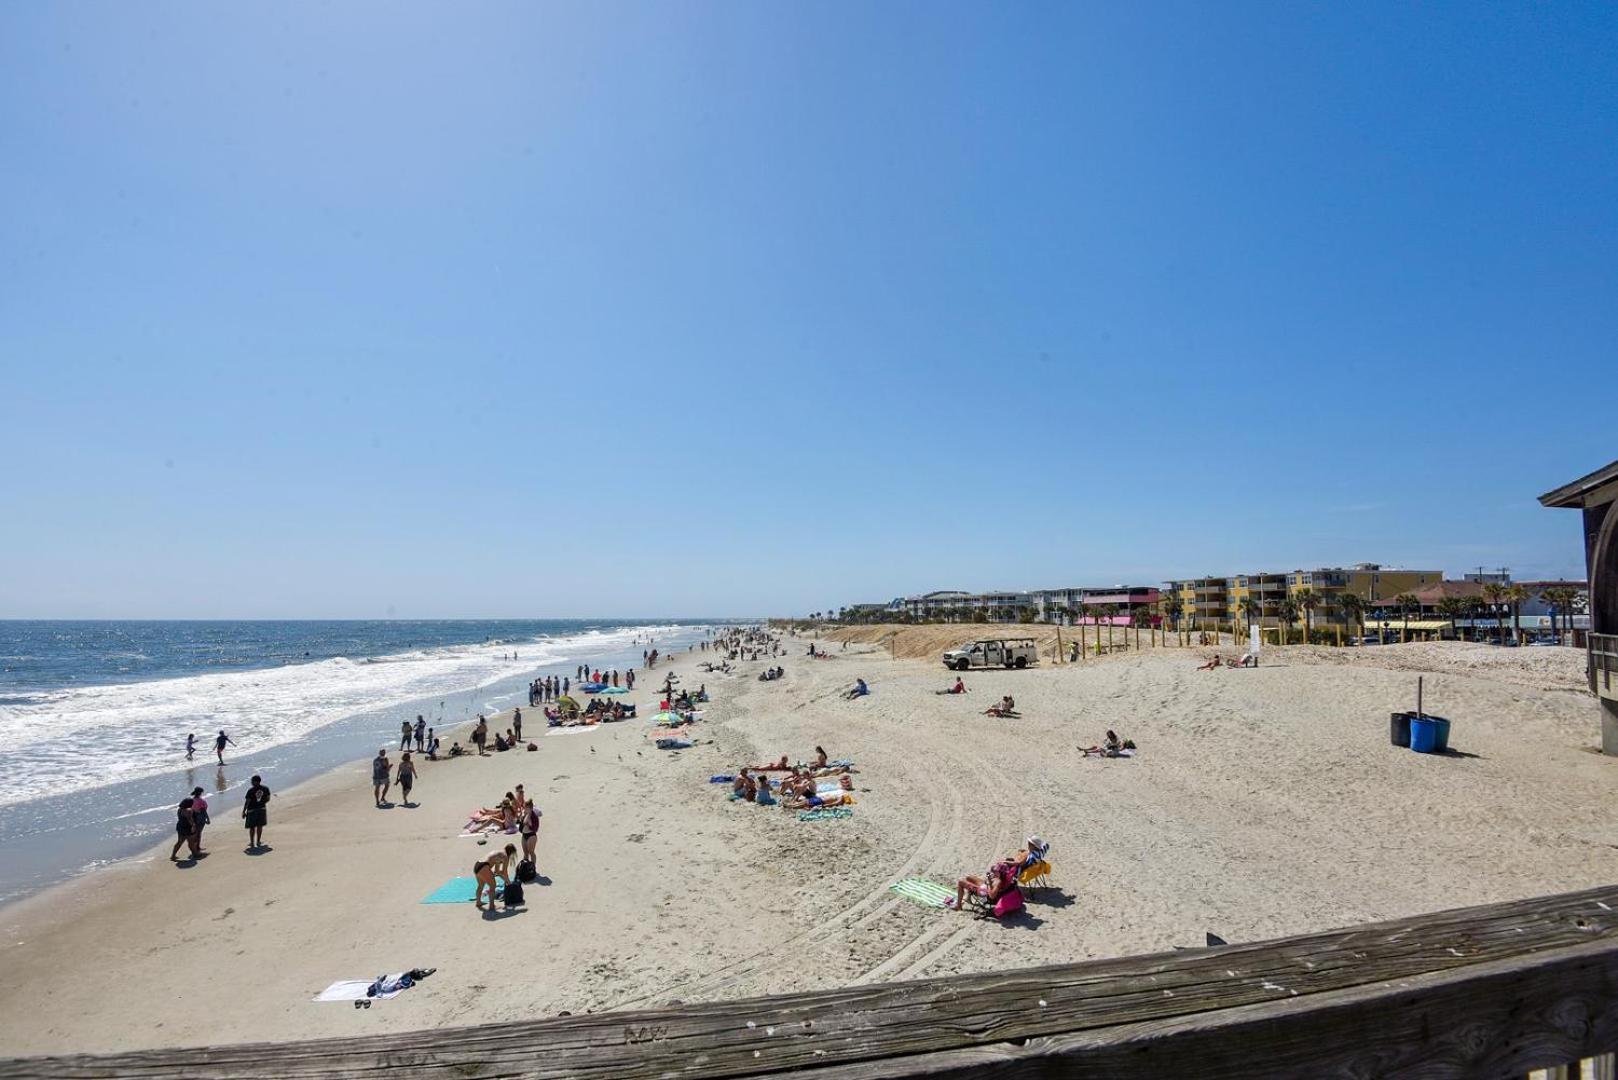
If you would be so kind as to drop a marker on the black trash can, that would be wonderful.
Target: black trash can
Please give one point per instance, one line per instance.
(1399, 728)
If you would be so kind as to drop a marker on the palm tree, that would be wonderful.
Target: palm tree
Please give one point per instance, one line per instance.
(1353, 607)
(1250, 609)
(1406, 602)
(1451, 607)
(1516, 596)
(1561, 600)
(1172, 607)
(1288, 610)
(1307, 600)
(1495, 593)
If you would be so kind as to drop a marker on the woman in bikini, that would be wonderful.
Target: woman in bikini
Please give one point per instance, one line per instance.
(492, 870)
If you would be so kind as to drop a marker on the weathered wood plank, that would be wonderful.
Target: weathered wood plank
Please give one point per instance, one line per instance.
(858, 1024)
(1500, 1019)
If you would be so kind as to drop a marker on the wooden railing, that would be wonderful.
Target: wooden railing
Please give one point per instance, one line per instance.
(1604, 664)
(1477, 992)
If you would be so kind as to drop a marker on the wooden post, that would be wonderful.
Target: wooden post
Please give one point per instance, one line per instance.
(1059, 657)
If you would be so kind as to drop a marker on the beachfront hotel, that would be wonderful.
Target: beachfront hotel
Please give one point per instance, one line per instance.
(1213, 601)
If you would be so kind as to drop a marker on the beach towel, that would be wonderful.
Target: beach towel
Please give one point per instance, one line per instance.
(819, 815)
(721, 779)
(354, 990)
(924, 892)
(575, 730)
(459, 890)
(616, 690)
(673, 744)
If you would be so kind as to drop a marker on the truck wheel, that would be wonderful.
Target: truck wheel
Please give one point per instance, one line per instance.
(1022, 662)
(962, 665)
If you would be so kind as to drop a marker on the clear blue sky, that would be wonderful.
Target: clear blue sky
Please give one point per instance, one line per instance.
(442, 309)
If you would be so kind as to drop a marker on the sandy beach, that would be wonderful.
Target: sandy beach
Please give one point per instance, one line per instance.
(1262, 802)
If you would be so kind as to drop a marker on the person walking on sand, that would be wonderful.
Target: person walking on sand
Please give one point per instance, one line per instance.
(516, 722)
(191, 746)
(199, 816)
(219, 746)
(256, 813)
(480, 736)
(407, 775)
(185, 830)
(421, 732)
(380, 769)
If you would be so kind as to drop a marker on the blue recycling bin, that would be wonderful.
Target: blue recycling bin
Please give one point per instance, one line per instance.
(1429, 734)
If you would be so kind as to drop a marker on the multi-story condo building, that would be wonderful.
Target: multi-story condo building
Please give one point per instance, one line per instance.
(1202, 600)
(1265, 590)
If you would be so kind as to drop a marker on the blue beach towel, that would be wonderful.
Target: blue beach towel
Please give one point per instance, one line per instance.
(721, 779)
(460, 890)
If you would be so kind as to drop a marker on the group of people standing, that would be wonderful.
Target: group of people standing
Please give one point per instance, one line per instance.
(547, 689)
(419, 733)
(192, 818)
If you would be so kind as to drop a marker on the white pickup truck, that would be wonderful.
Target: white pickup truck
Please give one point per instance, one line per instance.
(1008, 653)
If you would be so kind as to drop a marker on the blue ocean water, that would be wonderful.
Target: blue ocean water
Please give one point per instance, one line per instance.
(51, 655)
(125, 695)
(94, 715)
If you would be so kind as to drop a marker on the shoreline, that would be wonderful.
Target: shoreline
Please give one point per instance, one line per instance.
(91, 829)
(1264, 802)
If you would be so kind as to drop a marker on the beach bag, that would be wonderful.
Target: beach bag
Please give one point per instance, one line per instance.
(513, 894)
(526, 871)
(1008, 903)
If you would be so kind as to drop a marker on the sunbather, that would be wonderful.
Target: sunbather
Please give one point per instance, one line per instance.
(1006, 708)
(859, 690)
(820, 757)
(958, 688)
(1033, 850)
(1210, 665)
(1000, 880)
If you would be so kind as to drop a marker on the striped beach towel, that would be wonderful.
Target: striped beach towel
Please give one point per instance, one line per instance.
(819, 815)
(924, 892)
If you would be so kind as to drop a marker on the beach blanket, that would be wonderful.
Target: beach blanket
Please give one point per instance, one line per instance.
(459, 890)
(616, 690)
(823, 789)
(924, 892)
(485, 828)
(354, 990)
(673, 744)
(721, 779)
(820, 815)
(574, 730)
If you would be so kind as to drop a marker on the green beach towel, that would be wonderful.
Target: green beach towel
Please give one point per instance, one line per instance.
(817, 815)
(924, 892)
(460, 890)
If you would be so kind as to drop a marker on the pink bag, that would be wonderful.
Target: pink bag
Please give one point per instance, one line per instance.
(1008, 903)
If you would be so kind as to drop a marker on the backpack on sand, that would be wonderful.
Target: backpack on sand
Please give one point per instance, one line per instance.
(513, 894)
(526, 871)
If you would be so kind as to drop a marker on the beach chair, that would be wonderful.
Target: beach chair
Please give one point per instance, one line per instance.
(1035, 875)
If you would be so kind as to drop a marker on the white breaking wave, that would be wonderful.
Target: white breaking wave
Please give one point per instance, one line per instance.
(69, 740)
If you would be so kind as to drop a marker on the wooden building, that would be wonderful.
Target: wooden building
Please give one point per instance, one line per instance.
(1595, 495)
